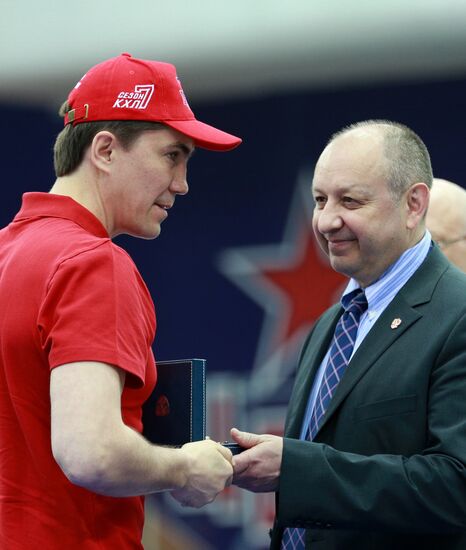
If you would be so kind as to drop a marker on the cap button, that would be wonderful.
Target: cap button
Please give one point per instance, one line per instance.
(126, 54)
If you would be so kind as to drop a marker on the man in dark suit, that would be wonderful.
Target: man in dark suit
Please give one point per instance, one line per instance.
(374, 453)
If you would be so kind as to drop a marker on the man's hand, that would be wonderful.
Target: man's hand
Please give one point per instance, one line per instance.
(258, 467)
(209, 471)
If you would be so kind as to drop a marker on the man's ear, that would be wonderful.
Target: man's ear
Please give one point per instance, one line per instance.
(417, 201)
(102, 150)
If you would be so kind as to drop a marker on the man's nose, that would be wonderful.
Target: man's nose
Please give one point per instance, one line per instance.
(180, 184)
(328, 219)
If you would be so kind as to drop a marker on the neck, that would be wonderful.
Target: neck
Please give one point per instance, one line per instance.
(87, 194)
(417, 235)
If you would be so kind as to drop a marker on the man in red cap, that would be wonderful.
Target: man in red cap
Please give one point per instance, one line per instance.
(78, 321)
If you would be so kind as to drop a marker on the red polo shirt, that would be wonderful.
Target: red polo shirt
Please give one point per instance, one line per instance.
(67, 293)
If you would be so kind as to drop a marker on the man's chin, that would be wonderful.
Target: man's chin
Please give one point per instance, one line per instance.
(152, 236)
(341, 266)
(148, 235)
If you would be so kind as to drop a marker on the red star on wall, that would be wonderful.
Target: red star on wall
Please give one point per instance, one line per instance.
(293, 282)
(309, 285)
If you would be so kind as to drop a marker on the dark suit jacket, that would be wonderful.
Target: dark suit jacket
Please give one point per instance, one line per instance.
(387, 469)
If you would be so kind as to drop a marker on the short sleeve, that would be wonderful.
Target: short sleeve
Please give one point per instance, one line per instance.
(97, 308)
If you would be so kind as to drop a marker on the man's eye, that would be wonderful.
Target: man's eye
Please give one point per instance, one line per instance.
(348, 200)
(320, 201)
(173, 155)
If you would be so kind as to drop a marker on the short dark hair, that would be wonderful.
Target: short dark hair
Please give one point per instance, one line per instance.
(408, 160)
(72, 142)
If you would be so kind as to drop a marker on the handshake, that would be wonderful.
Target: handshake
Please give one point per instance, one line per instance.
(211, 467)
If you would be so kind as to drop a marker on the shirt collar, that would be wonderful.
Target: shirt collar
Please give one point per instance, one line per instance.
(396, 275)
(48, 205)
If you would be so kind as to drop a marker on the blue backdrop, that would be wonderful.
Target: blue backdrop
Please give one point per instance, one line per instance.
(235, 275)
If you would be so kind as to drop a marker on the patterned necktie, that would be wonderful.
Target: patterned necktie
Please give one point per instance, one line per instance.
(355, 304)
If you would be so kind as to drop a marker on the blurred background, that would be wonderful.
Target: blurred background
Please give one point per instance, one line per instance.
(235, 275)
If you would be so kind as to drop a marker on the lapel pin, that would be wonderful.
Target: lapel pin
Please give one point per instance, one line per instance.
(395, 323)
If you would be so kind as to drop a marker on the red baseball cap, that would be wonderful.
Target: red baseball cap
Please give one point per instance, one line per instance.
(126, 88)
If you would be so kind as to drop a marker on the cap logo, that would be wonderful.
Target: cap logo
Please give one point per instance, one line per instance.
(138, 99)
(183, 97)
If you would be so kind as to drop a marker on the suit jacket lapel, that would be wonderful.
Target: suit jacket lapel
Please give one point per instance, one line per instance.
(314, 350)
(381, 337)
(418, 290)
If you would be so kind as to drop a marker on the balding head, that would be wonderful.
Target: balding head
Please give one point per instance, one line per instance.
(446, 220)
(406, 160)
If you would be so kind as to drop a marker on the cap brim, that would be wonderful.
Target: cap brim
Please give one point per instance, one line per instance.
(205, 136)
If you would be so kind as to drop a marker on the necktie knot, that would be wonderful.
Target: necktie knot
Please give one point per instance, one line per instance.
(355, 303)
